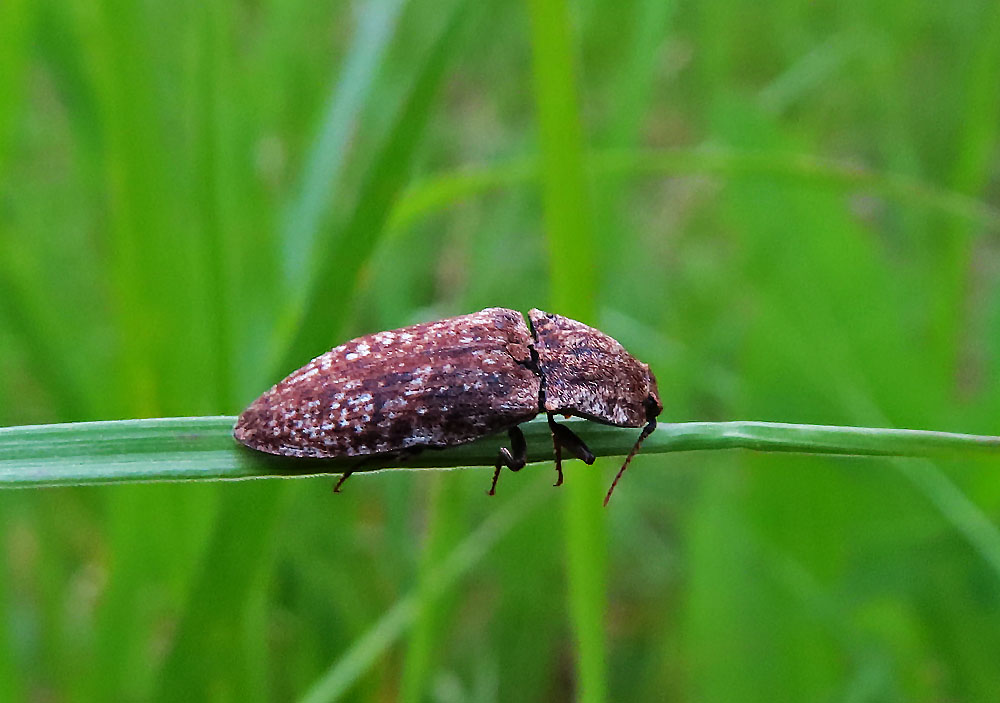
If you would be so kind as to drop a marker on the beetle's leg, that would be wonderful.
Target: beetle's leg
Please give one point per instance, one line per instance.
(565, 438)
(343, 477)
(401, 456)
(514, 458)
(557, 448)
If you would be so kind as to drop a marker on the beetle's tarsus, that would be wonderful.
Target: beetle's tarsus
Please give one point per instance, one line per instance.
(558, 450)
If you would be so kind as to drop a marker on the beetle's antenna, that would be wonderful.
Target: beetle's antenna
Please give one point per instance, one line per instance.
(646, 431)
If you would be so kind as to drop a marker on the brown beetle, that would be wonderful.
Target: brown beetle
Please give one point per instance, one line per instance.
(449, 382)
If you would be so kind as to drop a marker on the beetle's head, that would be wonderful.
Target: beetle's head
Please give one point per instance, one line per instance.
(587, 373)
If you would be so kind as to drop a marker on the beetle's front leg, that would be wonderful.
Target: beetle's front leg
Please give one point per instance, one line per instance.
(514, 458)
(564, 437)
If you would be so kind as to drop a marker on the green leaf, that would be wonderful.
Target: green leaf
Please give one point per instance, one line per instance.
(574, 291)
(203, 448)
(439, 575)
(442, 190)
(342, 257)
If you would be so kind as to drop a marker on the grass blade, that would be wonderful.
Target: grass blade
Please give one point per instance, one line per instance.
(15, 22)
(967, 517)
(321, 174)
(427, 632)
(976, 141)
(573, 280)
(344, 256)
(203, 449)
(366, 649)
(444, 190)
(206, 654)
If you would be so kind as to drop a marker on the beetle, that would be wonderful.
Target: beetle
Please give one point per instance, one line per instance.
(449, 382)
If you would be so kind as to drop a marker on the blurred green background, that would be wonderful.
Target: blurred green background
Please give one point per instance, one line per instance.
(781, 207)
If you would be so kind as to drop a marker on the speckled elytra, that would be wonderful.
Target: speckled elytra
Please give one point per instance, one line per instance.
(444, 383)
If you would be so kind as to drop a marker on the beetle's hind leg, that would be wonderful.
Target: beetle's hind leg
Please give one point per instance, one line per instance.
(402, 455)
(565, 438)
(347, 474)
(514, 458)
(343, 477)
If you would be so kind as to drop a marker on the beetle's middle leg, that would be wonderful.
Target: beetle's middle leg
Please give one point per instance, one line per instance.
(565, 438)
(514, 458)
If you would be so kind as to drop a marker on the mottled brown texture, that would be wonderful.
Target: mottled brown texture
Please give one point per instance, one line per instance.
(431, 385)
(449, 382)
(588, 373)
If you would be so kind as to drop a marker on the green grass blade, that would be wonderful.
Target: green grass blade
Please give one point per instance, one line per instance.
(427, 634)
(815, 439)
(563, 178)
(967, 517)
(342, 257)
(203, 449)
(635, 81)
(152, 267)
(12, 678)
(321, 174)
(440, 575)
(16, 18)
(440, 191)
(28, 334)
(976, 141)
(207, 654)
(574, 283)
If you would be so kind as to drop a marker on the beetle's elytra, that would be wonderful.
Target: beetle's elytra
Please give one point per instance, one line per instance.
(449, 382)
